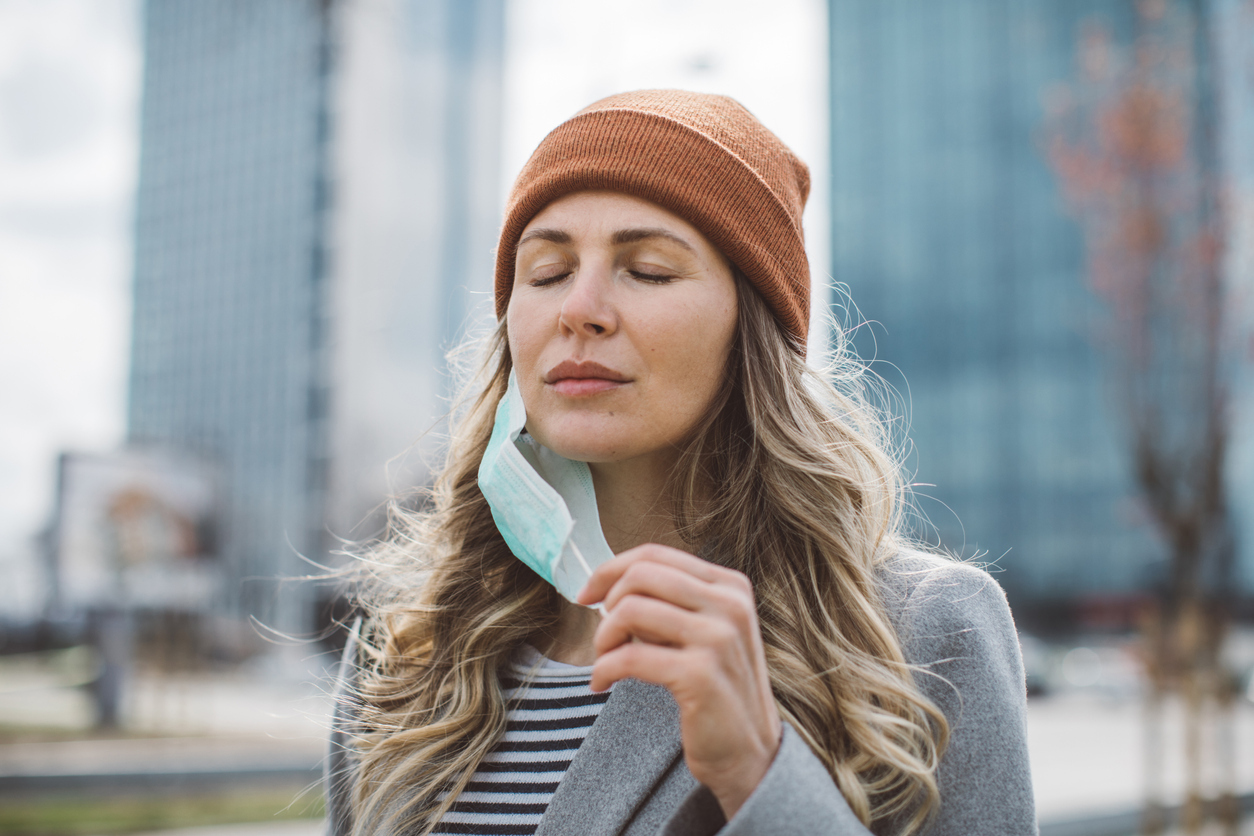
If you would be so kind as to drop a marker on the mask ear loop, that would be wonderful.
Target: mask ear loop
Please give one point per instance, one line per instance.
(588, 571)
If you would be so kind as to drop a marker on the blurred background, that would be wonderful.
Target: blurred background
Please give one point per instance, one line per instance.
(238, 237)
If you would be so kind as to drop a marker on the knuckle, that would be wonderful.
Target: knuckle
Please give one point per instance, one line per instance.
(649, 551)
(637, 573)
(725, 634)
(608, 667)
(707, 665)
(627, 657)
(743, 583)
(742, 619)
(748, 603)
(631, 608)
(605, 636)
(736, 579)
(737, 607)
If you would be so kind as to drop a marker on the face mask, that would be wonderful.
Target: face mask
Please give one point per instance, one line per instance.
(544, 505)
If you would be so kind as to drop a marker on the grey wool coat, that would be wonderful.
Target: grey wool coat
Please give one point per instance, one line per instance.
(629, 775)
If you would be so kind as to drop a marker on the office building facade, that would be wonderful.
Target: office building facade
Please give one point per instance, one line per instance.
(292, 189)
(952, 234)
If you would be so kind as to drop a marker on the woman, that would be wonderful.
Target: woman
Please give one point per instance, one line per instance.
(713, 623)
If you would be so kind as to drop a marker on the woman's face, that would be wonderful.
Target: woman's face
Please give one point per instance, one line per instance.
(620, 323)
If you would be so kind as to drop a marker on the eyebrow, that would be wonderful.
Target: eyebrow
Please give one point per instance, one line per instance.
(622, 236)
(554, 235)
(631, 236)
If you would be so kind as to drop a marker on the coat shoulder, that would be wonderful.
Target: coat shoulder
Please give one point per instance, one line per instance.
(929, 596)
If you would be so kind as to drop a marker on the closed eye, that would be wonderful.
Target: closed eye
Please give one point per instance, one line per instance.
(545, 281)
(652, 278)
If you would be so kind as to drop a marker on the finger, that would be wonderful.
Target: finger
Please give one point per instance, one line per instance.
(651, 663)
(661, 581)
(730, 598)
(693, 676)
(608, 573)
(649, 620)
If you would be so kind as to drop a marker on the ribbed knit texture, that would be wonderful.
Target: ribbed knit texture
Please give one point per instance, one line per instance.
(705, 158)
(549, 717)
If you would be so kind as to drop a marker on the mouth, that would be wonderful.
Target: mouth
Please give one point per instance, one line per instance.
(584, 378)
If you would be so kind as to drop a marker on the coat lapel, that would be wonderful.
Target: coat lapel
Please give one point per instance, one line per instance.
(628, 749)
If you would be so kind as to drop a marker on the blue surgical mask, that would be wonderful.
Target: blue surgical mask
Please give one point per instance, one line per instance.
(544, 505)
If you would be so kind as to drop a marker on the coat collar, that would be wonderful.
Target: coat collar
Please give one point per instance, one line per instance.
(635, 740)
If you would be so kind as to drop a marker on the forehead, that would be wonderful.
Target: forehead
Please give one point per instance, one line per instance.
(608, 213)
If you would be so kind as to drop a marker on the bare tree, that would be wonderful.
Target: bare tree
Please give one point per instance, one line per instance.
(1133, 143)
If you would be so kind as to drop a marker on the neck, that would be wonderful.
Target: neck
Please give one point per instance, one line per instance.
(632, 503)
(633, 511)
(571, 642)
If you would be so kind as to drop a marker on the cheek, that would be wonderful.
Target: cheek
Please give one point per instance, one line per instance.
(694, 356)
(524, 339)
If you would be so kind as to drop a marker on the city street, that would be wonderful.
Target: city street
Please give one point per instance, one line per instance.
(1086, 747)
(796, 286)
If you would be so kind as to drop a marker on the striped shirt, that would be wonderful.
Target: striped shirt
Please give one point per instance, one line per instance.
(551, 709)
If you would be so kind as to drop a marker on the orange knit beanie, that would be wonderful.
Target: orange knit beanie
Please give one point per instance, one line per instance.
(701, 156)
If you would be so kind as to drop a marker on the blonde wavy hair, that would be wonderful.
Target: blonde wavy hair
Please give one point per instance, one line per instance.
(785, 479)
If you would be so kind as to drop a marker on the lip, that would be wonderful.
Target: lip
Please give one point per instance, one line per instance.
(584, 378)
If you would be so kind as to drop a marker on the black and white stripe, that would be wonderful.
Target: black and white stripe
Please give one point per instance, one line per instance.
(552, 708)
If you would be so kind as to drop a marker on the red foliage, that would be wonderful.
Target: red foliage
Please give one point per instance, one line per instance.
(1131, 144)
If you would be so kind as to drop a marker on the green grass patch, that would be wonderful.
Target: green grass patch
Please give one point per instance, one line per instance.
(78, 816)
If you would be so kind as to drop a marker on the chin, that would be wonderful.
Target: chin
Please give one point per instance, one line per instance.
(592, 451)
(595, 443)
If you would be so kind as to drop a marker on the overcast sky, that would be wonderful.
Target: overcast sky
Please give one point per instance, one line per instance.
(69, 89)
(70, 74)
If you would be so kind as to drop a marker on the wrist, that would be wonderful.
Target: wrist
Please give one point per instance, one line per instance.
(734, 788)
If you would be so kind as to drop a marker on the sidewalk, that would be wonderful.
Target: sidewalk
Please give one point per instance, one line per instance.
(194, 734)
(1087, 754)
(304, 827)
(164, 764)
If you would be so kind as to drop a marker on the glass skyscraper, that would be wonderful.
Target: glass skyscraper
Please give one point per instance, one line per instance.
(950, 230)
(292, 187)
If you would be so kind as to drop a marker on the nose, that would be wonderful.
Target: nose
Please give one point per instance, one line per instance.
(588, 309)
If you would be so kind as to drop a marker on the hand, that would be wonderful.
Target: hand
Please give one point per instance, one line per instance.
(695, 632)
